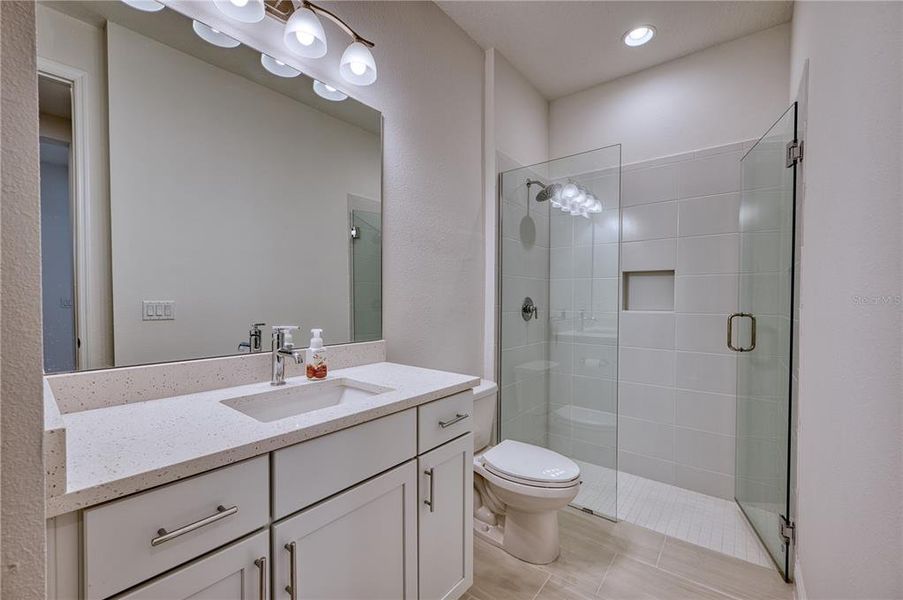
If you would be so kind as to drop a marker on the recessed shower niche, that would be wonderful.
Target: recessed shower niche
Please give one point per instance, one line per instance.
(649, 290)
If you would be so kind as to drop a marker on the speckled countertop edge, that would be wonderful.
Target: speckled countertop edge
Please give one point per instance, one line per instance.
(116, 451)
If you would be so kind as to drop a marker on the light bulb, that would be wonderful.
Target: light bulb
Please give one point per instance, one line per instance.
(277, 67)
(304, 34)
(357, 65)
(304, 38)
(145, 5)
(246, 11)
(239, 3)
(213, 36)
(327, 91)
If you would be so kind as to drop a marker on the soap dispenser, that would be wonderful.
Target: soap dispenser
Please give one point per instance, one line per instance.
(316, 356)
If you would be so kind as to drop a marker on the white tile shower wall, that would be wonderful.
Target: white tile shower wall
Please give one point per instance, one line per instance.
(676, 377)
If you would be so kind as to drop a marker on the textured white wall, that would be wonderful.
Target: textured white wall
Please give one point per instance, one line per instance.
(850, 493)
(430, 92)
(521, 116)
(275, 204)
(727, 93)
(517, 124)
(21, 421)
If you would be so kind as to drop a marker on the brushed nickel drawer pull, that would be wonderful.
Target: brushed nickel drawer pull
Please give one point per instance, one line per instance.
(261, 564)
(221, 513)
(429, 473)
(292, 587)
(458, 417)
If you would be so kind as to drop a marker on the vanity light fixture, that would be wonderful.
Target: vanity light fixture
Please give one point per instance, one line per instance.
(325, 90)
(213, 36)
(304, 35)
(639, 35)
(145, 5)
(277, 67)
(246, 11)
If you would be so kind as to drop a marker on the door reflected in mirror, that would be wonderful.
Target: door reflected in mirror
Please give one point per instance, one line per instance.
(189, 191)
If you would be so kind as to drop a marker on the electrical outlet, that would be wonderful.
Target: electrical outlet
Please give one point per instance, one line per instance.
(158, 310)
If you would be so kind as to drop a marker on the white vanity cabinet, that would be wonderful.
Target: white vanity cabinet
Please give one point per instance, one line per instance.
(379, 510)
(445, 528)
(360, 544)
(238, 572)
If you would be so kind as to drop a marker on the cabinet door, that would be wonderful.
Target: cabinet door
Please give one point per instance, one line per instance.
(446, 520)
(358, 545)
(237, 572)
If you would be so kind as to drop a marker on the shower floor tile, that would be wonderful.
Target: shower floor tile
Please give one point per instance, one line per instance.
(713, 523)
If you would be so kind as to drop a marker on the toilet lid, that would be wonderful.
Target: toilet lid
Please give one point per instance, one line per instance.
(516, 460)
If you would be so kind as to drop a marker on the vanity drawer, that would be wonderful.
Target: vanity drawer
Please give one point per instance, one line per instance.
(444, 420)
(130, 540)
(311, 471)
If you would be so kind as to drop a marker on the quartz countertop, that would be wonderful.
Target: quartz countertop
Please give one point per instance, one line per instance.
(119, 450)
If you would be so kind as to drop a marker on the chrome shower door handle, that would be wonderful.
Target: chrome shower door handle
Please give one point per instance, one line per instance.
(752, 332)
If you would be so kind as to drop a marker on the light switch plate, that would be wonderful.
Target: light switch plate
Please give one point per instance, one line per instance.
(158, 310)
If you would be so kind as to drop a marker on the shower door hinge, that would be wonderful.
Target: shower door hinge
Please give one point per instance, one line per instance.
(794, 152)
(788, 530)
(355, 232)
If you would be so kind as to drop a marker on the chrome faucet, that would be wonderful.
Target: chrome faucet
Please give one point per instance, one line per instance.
(281, 349)
(254, 338)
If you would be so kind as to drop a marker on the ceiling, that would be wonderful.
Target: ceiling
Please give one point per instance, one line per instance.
(565, 47)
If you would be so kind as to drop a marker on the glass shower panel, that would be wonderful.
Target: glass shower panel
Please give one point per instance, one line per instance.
(762, 336)
(560, 233)
(366, 275)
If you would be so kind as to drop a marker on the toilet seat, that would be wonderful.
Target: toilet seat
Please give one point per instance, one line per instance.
(529, 465)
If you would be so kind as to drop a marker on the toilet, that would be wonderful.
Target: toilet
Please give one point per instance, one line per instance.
(518, 488)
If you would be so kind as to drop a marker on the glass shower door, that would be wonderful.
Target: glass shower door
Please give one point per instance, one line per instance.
(559, 290)
(761, 334)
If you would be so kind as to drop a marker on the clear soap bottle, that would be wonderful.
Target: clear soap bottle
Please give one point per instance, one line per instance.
(315, 356)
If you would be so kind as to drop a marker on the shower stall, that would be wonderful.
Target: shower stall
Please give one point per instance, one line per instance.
(617, 285)
(559, 291)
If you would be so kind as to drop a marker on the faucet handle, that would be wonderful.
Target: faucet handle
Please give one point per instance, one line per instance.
(258, 325)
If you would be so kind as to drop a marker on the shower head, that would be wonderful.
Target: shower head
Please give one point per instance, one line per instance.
(548, 191)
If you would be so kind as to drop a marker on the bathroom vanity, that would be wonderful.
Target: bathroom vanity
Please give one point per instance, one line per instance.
(364, 491)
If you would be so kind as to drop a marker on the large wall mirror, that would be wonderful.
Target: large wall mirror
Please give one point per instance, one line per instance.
(188, 192)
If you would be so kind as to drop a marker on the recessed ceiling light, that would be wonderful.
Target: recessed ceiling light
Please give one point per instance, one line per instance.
(324, 90)
(639, 35)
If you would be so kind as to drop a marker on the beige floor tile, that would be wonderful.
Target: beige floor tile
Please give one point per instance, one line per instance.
(624, 538)
(560, 589)
(730, 575)
(582, 564)
(499, 576)
(629, 579)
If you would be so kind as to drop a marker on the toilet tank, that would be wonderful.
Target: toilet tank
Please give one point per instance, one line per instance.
(484, 396)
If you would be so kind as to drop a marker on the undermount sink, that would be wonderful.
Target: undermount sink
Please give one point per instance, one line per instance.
(297, 398)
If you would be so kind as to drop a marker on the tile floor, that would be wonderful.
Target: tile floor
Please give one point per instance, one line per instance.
(618, 561)
(714, 523)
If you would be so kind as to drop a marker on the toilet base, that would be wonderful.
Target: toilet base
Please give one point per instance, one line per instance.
(529, 536)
